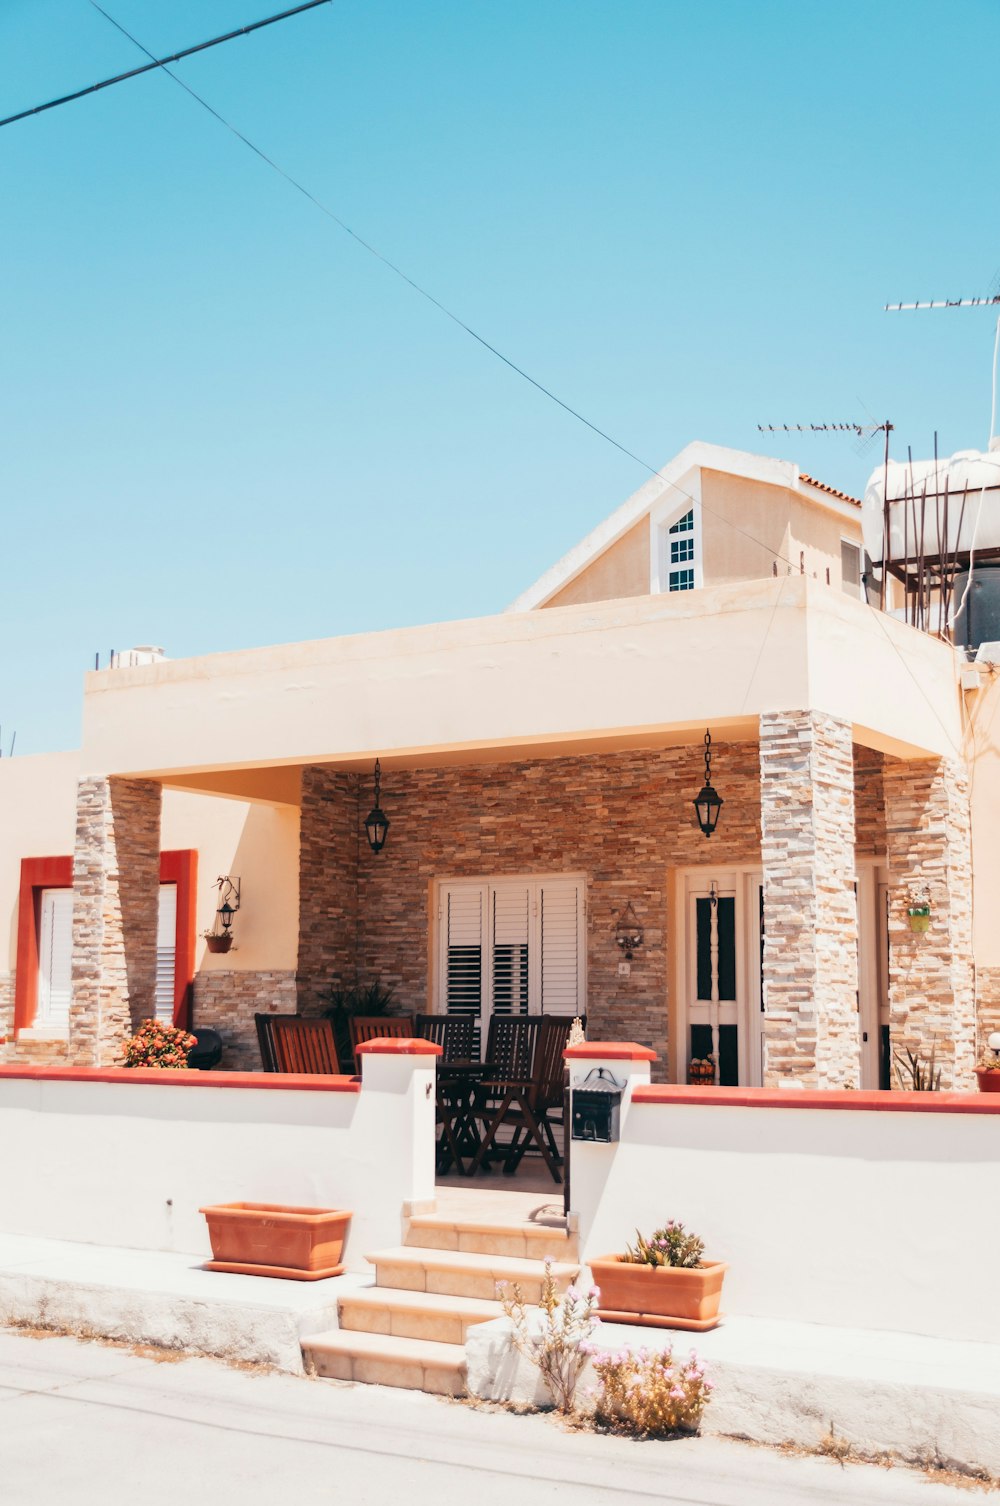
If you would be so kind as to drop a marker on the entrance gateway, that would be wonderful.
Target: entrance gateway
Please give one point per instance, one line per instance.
(718, 978)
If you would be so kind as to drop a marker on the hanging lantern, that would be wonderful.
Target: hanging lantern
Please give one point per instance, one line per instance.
(377, 822)
(628, 931)
(709, 803)
(226, 912)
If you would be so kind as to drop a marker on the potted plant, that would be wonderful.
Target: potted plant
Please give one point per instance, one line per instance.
(344, 1004)
(270, 1239)
(664, 1281)
(919, 910)
(218, 941)
(988, 1070)
(156, 1044)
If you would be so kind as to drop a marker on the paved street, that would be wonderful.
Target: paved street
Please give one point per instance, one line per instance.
(86, 1425)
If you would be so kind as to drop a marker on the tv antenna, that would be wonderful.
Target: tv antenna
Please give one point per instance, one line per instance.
(991, 300)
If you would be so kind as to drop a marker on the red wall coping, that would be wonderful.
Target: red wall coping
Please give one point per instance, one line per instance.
(184, 1077)
(398, 1045)
(614, 1051)
(814, 1098)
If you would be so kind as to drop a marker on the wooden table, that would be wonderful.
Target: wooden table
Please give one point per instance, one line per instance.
(457, 1082)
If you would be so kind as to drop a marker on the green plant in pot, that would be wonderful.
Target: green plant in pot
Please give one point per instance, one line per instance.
(663, 1279)
(347, 1003)
(919, 911)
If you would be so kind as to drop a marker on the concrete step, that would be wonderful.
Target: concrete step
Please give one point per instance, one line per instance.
(520, 1239)
(459, 1273)
(378, 1359)
(414, 1315)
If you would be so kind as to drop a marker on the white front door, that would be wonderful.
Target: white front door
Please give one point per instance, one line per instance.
(55, 958)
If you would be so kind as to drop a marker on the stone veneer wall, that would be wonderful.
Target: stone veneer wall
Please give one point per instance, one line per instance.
(810, 910)
(931, 975)
(226, 1000)
(987, 1002)
(623, 820)
(869, 804)
(116, 877)
(329, 838)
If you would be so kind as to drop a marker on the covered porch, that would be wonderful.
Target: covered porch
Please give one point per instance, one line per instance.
(538, 773)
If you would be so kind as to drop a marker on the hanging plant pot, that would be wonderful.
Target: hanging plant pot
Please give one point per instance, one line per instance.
(219, 943)
(920, 917)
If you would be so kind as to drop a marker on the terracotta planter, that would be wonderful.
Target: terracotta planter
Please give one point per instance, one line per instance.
(220, 943)
(269, 1239)
(663, 1296)
(989, 1079)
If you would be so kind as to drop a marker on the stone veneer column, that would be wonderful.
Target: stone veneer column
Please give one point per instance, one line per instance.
(116, 885)
(931, 974)
(328, 885)
(810, 911)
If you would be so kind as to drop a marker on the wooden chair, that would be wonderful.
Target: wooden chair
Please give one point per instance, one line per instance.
(265, 1040)
(370, 1027)
(303, 1045)
(546, 1095)
(510, 1054)
(454, 1033)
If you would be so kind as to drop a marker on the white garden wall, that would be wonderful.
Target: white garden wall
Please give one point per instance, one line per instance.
(860, 1210)
(127, 1158)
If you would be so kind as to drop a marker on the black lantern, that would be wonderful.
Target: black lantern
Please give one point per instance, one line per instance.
(226, 913)
(628, 931)
(377, 822)
(709, 803)
(597, 1107)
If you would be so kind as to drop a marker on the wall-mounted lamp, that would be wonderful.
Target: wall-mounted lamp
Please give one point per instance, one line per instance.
(377, 822)
(220, 937)
(628, 931)
(709, 803)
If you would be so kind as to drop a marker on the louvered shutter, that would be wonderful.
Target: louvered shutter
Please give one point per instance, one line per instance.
(511, 917)
(562, 931)
(55, 961)
(463, 920)
(166, 951)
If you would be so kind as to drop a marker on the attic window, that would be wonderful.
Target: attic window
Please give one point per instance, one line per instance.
(682, 553)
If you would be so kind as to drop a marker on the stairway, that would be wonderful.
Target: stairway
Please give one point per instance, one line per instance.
(409, 1329)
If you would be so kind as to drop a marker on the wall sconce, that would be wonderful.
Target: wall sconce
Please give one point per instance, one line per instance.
(220, 937)
(377, 822)
(628, 931)
(709, 803)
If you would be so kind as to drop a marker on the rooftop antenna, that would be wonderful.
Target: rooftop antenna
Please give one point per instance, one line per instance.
(865, 434)
(991, 300)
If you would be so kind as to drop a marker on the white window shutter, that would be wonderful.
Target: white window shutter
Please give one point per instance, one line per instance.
(463, 920)
(562, 940)
(166, 951)
(55, 961)
(511, 923)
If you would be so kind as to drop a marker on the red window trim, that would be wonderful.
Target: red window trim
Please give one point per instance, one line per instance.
(179, 867)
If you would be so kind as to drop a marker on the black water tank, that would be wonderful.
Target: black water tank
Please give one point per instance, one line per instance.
(978, 619)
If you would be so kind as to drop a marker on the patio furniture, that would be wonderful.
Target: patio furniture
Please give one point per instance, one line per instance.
(454, 1033)
(510, 1055)
(546, 1095)
(296, 1044)
(371, 1027)
(457, 1084)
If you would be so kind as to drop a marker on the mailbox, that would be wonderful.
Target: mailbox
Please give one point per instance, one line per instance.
(597, 1106)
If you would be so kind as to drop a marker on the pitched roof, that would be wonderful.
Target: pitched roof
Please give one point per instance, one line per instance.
(673, 477)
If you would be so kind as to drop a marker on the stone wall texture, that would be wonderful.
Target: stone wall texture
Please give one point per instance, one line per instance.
(810, 910)
(931, 975)
(329, 844)
(869, 803)
(987, 1003)
(116, 876)
(622, 820)
(227, 1000)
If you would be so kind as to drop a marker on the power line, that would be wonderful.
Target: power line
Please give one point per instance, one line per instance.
(186, 52)
(428, 296)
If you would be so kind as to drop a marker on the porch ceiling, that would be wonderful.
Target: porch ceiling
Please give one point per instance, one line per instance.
(647, 672)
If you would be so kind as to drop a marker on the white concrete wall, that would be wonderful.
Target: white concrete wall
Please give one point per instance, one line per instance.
(129, 1162)
(854, 1217)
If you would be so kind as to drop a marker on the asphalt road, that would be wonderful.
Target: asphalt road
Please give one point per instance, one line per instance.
(87, 1425)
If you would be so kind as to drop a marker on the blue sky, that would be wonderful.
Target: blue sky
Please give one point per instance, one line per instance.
(224, 424)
